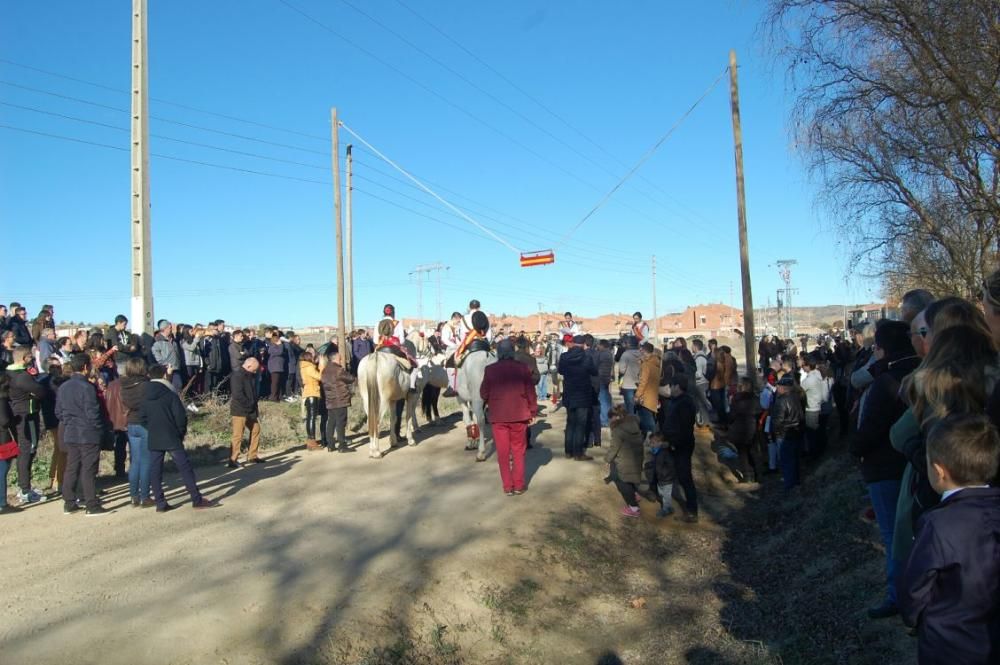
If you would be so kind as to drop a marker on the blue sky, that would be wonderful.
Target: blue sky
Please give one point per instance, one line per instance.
(610, 79)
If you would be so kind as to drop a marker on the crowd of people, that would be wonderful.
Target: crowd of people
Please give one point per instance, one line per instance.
(917, 403)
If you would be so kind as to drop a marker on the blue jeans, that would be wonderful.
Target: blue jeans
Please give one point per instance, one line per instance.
(647, 420)
(138, 457)
(604, 398)
(884, 495)
(543, 386)
(788, 453)
(4, 468)
(628, 394)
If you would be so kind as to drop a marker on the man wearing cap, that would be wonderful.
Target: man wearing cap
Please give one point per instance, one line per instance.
(787, 416)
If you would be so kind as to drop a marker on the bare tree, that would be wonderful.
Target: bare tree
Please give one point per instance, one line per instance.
(898, 116)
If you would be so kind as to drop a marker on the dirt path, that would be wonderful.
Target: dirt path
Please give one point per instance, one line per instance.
(317, 557)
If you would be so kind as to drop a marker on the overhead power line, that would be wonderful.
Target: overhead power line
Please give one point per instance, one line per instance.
(642, 160)
(427, 189)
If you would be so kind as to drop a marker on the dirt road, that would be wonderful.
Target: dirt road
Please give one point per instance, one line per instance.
(319, 557)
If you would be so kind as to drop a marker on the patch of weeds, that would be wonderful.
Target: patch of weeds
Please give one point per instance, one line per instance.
(498, 633)
(442, 647)
(513, 602)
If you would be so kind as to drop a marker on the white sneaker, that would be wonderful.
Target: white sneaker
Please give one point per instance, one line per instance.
(193, 408)
(31, 497)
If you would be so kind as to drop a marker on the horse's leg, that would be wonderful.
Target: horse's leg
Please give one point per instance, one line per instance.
(411, 418)
(480, 418)
(467, 420)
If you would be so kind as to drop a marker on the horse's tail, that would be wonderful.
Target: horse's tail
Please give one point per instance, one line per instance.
(374, 406)
(427, 400)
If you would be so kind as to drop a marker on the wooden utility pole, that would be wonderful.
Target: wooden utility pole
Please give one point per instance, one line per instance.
(142, 262)
(349, 242)
(741, 215)
(338, 233)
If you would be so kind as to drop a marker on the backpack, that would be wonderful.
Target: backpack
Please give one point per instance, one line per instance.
(709, 367)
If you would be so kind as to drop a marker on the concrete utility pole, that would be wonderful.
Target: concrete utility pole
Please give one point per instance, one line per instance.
(349, 242)
(419, 272)
(141, 318)
(338, 233)
(741, 217)
(652, 327)
(539, 317)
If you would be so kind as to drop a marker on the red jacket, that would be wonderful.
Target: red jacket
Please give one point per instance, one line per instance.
(509, 392)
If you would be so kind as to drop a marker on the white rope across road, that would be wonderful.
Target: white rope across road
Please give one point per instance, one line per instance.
(430, 191)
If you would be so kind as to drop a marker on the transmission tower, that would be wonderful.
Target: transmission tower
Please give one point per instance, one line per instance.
(785, 272)
(420, 271)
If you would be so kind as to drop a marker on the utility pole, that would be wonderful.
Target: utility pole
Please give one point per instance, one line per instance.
(349, 242)
(419, 272)
(142, 260)
(652, 332)
(741, 216)
(338, 234)
(539, 317)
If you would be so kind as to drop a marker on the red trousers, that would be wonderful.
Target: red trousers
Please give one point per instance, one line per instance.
(511, 443)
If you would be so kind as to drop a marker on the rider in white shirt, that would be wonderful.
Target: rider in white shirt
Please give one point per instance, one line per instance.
(569, 326)
(640, 328)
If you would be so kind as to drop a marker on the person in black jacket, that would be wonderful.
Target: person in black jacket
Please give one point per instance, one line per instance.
(26, 394)
(165, 419)
(950, 587)
(787, 416)
(83, 428)
(677, 420)
(18, 324)
(243, 409)
(881, 465)
(6, 434)
(577, 368)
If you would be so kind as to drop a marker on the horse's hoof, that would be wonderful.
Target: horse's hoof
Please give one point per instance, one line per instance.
(412, 443)
(480, 458)
(375, 455)
(472, 447)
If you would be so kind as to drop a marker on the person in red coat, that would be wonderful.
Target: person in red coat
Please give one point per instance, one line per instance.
(509, 393)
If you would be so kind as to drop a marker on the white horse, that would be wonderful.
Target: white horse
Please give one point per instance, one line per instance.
(470, 378)
(382, 382)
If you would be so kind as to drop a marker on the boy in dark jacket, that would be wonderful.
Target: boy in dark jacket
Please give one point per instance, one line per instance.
(79, 415)
(677, 427)
(787, 416)
(165, 420)
(337, 394)
(950, 588)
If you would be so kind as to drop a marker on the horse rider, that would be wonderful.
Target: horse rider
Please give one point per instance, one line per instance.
(476, 340)
(389, 314)
(468, 325)
(639, 328)
(569, 326)
(452, 335)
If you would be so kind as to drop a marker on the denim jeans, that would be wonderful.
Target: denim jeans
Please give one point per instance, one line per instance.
(717, 397)
(4, 469)
(647, 420)
(628, 395)
(543, 386)
(604, 398)
(884, 495)
(138, 468)
(788, 452)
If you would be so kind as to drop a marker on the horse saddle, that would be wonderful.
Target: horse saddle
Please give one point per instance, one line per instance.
(476, 345)
(398, 356)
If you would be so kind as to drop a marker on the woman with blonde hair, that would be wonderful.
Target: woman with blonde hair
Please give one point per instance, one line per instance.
(956, 377)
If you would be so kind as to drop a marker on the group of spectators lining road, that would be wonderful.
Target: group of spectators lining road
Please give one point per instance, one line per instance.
(918, 403)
